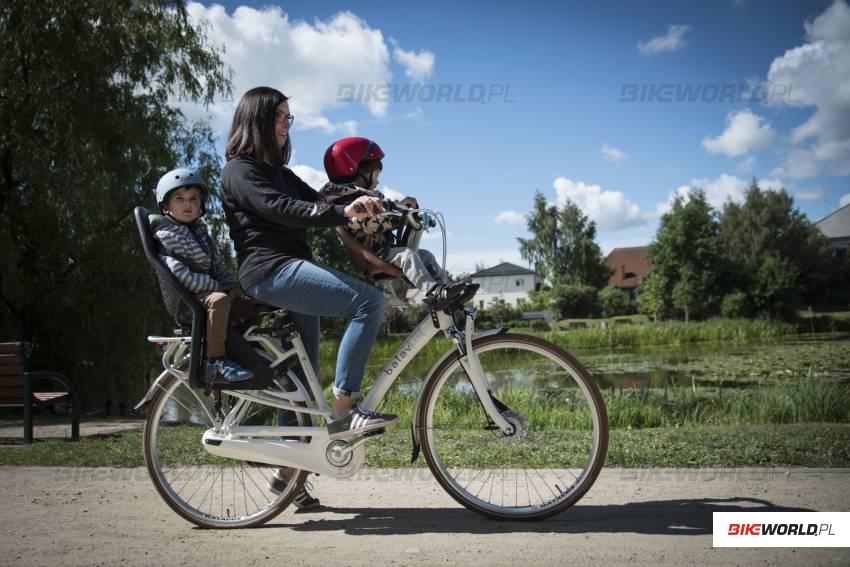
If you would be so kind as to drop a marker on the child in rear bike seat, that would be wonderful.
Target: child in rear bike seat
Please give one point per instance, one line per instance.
(185, 247)
(353, 166)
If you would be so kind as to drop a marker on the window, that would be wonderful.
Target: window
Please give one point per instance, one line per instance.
(520, 282)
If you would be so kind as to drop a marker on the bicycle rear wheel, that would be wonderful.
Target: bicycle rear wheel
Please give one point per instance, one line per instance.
(207, 490)
(561, 436)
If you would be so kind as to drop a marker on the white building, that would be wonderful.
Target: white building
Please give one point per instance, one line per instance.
(836, 227)
(505, 281)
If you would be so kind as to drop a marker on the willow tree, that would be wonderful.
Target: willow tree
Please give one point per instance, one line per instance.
(87, 126)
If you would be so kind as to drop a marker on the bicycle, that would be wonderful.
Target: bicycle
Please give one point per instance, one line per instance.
(499, 413)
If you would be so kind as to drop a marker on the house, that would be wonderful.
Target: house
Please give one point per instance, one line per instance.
(506, 281)
(628, 268)
(836, 227)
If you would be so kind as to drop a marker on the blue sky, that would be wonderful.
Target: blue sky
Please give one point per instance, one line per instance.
(562, 129)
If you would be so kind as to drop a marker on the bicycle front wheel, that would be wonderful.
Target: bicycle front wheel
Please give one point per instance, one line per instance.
(207, 490)
(560, 438)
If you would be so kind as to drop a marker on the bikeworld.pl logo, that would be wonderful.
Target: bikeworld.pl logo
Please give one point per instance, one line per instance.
(708, 92)
(781, 529)
(425, 92)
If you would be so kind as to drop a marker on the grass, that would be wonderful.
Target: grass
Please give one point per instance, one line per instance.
(793, 445)
(673, 333)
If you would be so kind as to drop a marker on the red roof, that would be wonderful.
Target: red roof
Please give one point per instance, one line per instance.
(629, 265)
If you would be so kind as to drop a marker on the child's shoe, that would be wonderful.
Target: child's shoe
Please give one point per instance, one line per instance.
(230, 371)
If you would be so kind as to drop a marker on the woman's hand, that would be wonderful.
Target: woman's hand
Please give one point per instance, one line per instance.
(364, 207)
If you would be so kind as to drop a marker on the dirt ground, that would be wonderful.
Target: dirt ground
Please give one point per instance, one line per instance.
(80, 516)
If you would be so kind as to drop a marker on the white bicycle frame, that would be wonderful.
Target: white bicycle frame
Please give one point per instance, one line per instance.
(314, 448)
(267, 444)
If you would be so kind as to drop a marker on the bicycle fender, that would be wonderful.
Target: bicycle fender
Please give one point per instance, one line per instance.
(151, 390)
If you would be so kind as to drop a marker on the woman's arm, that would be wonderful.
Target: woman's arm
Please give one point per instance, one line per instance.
(253, 189)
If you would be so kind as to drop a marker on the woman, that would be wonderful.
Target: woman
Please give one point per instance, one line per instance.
(268, 210)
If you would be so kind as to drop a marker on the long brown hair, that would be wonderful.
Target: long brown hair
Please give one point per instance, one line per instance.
(252, 132)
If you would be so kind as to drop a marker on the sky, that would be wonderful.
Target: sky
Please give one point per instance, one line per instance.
(617, 106)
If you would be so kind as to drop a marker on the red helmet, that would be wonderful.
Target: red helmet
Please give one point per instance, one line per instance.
(343, 158)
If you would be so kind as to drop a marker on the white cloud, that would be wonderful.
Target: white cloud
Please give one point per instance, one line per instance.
(417, 66)
(718, 191)
(611, 210)
(321, 123)
(744, 133)
(305, 61)
(747, 165)
(817, 75)
(827, 158)
(813, 194)
(613, 154)
(436, 234)
(844, 200)
(417, 115)
(673, 40)
(313, 177)
(511, 218)
(391, 193)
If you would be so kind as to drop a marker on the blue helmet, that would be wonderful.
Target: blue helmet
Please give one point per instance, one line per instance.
(176, 179)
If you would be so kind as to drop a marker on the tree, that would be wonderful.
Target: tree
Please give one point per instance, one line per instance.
(86, 130)
(563, 245)
(775, 254)
(328, 249)
(653, 299)
(613, 302)
(686, 262)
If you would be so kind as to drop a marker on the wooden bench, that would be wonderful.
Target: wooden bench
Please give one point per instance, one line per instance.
(21, 388)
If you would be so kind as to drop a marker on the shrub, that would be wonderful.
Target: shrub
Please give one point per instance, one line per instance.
(613, 303)
(573, 301)
(734, 305)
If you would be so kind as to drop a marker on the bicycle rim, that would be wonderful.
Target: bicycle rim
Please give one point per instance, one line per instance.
(207, 490)
(558, 411)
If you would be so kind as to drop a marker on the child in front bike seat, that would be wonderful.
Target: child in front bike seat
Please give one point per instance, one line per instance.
(185, 247)
(353, 166)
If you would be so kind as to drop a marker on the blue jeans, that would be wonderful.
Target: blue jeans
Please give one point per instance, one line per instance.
(309, 290)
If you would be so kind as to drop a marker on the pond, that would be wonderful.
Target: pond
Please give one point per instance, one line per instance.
(709, 364)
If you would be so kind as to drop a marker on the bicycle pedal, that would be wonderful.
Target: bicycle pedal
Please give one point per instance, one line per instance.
(374, 432)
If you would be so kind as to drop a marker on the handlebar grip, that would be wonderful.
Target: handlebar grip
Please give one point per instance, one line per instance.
(392, 206)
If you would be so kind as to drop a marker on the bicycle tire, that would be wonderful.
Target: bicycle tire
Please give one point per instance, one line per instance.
(187, 448)
(535, 379)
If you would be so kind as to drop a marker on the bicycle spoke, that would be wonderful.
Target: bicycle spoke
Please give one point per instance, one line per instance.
(209, 490)
(557, 429)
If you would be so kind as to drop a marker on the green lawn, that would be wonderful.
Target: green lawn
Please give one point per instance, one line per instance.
(797, 445)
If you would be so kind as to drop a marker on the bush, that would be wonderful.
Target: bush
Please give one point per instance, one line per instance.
(538, 300)
(499, 312)
(613, 303)
(734, 305)
(573, 301)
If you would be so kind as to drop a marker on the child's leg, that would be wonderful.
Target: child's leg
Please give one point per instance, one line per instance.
(433, 266)
(409, 262)
(217, 305)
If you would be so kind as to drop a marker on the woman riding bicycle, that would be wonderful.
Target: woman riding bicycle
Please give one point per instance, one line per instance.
(268, 210)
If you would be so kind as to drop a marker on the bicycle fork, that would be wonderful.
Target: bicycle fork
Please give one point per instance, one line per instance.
(468, 358)
(472, 366)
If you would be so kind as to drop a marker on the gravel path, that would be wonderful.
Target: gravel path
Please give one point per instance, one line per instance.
(78, 516)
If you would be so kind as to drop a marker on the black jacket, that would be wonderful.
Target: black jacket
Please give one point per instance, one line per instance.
(268, 212)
